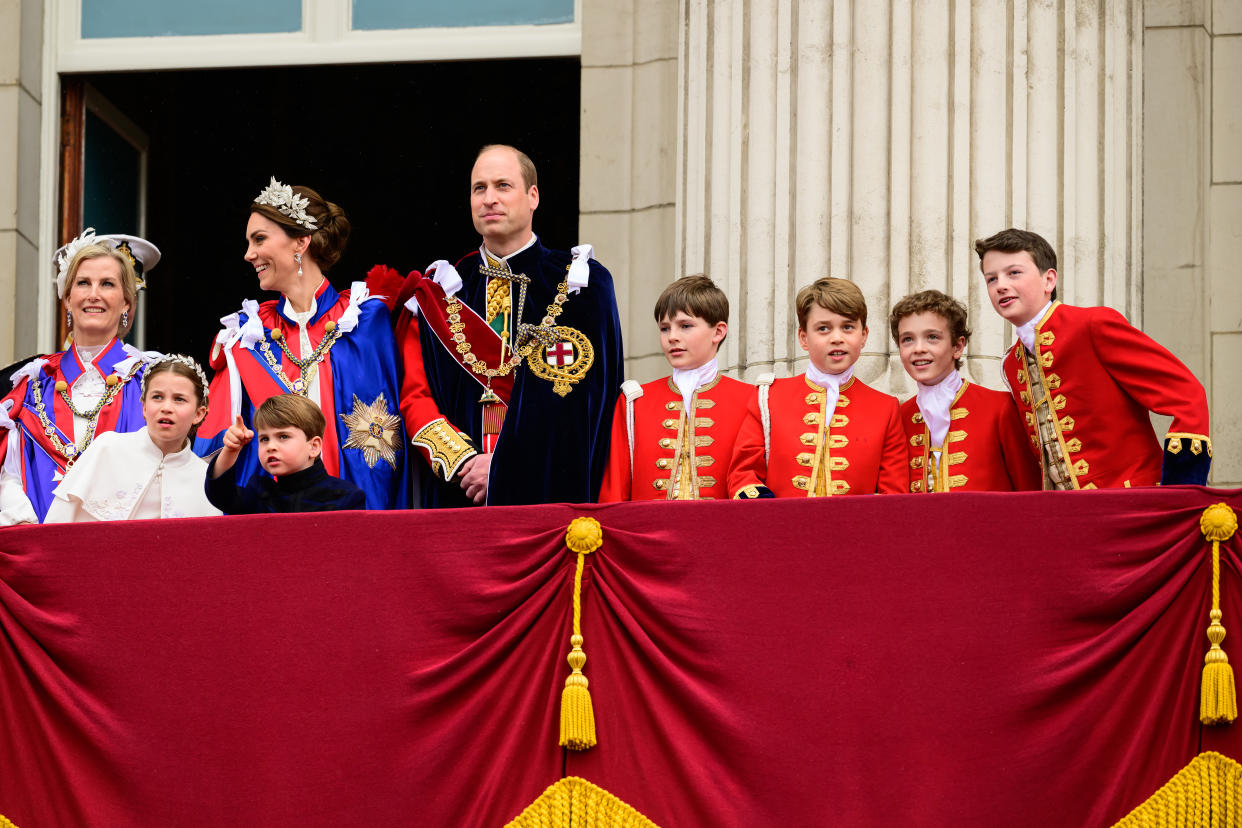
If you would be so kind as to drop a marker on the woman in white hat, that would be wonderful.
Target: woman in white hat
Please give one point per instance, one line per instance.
(59, 403)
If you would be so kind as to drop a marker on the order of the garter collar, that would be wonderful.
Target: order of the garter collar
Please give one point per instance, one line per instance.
(290, 204)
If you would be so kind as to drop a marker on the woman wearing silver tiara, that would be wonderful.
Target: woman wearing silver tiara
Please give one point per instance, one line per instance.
(149, 473)
(58, 405)
(337, 349)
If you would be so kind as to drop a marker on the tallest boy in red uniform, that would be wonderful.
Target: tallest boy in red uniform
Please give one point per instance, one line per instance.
(1085, 379)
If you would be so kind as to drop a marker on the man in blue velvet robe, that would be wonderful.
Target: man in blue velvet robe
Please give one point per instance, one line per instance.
(512, 359)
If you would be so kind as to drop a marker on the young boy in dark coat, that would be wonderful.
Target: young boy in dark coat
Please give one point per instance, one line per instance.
(290, 432)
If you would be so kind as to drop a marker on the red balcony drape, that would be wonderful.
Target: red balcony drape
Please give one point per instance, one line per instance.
(985, 659)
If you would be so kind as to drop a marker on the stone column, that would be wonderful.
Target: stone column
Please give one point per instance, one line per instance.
(877, 140)
(21, 50)
(629, 129)
(1192, 233)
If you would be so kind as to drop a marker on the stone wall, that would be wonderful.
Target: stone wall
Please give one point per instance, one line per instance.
(1192, 203)
(21, 52)
(877, 140)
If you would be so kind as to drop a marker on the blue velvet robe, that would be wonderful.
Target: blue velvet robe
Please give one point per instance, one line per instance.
(552, 449)
(363, 365)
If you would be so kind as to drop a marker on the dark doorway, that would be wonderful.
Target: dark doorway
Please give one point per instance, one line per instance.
(392, 144)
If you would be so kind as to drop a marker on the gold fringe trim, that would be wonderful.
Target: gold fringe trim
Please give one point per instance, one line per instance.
(574, 802)
(583, 537)
(1207, 793)
(5, 822)
(1218, 698)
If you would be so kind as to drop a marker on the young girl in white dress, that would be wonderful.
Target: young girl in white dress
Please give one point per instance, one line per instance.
(149, 473)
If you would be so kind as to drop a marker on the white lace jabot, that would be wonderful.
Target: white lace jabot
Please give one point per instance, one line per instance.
(831, 383)
(689, 379)
(934, 402)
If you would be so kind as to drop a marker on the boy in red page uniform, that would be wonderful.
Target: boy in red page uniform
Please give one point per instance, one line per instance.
(959, 436)
(672, 438)
(824, 432)
(1085, 380)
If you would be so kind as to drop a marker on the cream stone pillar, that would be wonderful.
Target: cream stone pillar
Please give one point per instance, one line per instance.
(629, 131)
(876, 140)
(1192, 233)
(21, 49)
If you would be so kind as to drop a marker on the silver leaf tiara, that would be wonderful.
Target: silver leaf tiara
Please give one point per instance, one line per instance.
(189, 362)
(282, 197)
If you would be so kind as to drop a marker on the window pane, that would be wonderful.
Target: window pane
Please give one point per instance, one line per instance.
(414, 14)
(156, 18)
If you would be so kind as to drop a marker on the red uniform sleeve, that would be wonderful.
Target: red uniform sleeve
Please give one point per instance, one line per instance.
(1149, 373)
(445, 447)
(894, 477)
(748, 466)
(1020, 462)
(618, 476)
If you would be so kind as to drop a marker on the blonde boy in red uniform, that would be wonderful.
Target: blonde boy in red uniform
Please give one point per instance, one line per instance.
(1085, 380)
(824, 432)
(959, 436)
(672, 438)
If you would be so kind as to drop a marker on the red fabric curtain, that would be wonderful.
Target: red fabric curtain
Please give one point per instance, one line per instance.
(854, 661)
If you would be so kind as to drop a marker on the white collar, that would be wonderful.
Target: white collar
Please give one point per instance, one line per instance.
(688, 380)
(1026, 332)
(831, 383)
(934, 402)
(157, 454)
(486, 253)
(826, 380)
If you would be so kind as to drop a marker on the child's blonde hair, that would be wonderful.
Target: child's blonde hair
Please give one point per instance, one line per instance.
(840, 296)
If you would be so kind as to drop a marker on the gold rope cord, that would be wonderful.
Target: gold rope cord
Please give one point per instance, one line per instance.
(573, 802)
(583, 537)
(1207, 793)
(6, 823)
(1218, 700)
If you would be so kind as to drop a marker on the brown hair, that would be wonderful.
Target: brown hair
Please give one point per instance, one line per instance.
(530, 178)
(290, 411)
(327, 242)
(946, 307)
(174, 366)
(1013, 240)
(694, 295)
(837, 295)
(129, 278)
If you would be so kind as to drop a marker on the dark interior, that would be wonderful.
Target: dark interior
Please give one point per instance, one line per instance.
(392, 144)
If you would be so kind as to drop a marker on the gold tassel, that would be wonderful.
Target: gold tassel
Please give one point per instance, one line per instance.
(573, 802)
(1218, 700)
(1207, 793)
(583, 537)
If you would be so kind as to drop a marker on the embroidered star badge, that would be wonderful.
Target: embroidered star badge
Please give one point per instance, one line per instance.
(373, 430)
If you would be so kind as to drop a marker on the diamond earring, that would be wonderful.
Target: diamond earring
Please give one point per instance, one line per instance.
(68, 319)
(124, 320)
(297, 257)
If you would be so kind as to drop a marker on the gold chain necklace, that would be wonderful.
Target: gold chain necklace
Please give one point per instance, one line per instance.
(301, 385)
(528, 335)
(72, 451)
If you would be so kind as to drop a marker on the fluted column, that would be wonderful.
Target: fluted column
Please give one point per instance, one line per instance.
(877, 140)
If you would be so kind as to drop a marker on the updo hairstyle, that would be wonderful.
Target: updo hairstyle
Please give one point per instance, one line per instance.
(327, 242)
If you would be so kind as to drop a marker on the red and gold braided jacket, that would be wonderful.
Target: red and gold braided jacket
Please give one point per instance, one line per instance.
(1102, 378)
(858, 448)
(677, 455)
(985, 449)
